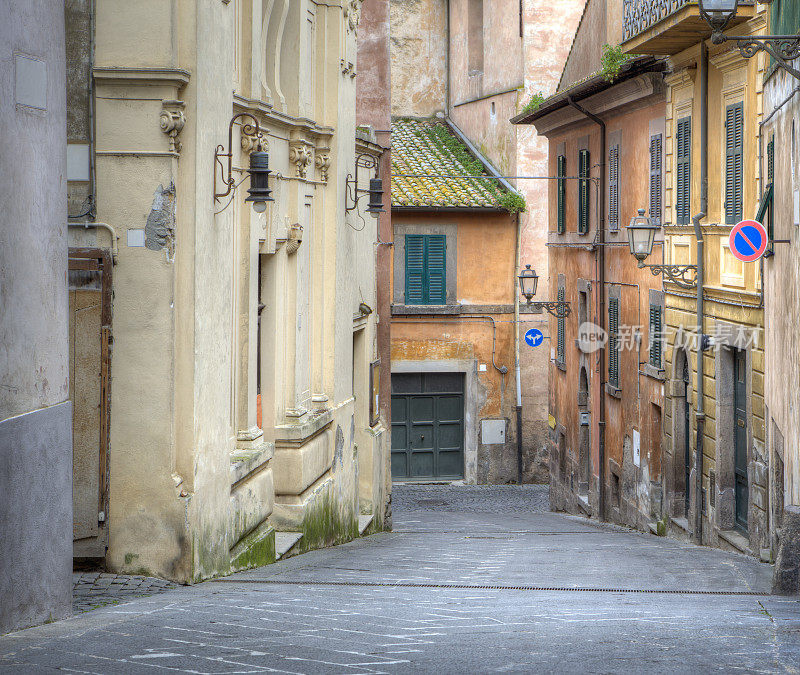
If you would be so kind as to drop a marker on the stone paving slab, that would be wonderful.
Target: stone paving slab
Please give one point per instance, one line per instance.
(246, 625)
(91, 590)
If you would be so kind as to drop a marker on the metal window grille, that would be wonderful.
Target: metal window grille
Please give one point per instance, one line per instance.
(613, 349)
(560, 351)
(583, 191)
(561, 187)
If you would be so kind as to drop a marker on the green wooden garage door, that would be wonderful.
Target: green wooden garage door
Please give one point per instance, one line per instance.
(427, 426)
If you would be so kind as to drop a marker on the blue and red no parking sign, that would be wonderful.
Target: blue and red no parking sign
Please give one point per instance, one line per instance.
(748, 240)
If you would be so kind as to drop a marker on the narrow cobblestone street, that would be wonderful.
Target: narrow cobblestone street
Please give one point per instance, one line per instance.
(473, 579)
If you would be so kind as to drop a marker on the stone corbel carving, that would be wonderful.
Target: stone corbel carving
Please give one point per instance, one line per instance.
(352, 14)
(172, 121)
(295, 238)
(254, 142)
(300, 154)
(323, 163)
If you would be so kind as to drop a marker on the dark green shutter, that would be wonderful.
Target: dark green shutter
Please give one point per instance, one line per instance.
(613, 352)
(655, 336)
(770, 189)
(583, 191)
(613, 188)
(683, 152)
(435, 263)
(734, 162)
(771, 159)
(560, 351)
(426, 269)
(415, 269)
(561, 223)
(656, 180)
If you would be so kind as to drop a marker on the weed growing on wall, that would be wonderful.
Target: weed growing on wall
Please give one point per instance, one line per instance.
(533, 105)
(612, 61)
(512, 202)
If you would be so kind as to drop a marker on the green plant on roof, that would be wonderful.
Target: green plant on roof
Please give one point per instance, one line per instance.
(512, 202)
(612, 61)
(534, 103)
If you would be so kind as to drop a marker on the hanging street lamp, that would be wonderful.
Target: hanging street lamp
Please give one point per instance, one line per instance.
(259, 193)
(783, 48)
(528, 281)
(641, 236)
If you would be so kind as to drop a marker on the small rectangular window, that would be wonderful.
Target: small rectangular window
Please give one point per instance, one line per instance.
(734, 162)
(656, 181)
(583, 191)
(560, 348)
(683, 178)
(613, 350)
(613, 188)
(426, 262)
(561, 188)
(656, 336)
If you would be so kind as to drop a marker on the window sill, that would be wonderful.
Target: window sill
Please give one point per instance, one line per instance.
(425, 309)
(613, 391)
(651, 371)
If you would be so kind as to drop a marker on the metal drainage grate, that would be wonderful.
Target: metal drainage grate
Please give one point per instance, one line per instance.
(488, 587)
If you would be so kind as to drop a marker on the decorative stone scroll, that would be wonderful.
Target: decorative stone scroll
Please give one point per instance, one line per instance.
(172, 122)
(352, 14)
(323, 163)
(300, 154)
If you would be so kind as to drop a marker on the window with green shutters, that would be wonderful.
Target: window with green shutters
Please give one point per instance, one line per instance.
(560, 350)
(426, 256)
(613, 188)
(583, 191)
(656, 179)
(683, 180)
(613, 350)
(656, 337)
(734, 162)
(764, 214)
(561, 187)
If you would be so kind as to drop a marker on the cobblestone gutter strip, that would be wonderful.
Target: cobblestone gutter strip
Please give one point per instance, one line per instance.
(92, 590)
(490, 587)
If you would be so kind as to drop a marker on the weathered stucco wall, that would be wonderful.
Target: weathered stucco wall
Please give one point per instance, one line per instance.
(418, 57)
(35, 424)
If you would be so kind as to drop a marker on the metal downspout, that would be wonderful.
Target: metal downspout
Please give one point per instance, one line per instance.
(600, 254)
(518, 255)
(700, 409)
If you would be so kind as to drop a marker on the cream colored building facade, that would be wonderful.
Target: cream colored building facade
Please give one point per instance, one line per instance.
(236, 355)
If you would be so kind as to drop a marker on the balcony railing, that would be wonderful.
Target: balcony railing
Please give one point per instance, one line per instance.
(682, 24)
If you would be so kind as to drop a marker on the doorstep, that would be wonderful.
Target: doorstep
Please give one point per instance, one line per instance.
(284, 541)
(735, 539)
(364, 522)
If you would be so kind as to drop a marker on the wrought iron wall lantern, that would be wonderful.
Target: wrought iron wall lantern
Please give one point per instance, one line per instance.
(353, 193)
(783, 48)
(528, 282)
(641, 236)
(258, 193)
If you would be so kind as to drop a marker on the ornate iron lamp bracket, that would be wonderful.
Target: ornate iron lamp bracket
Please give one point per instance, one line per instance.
(352, 192)
(684, 276)
(560, 310)
(782, 48)
(227, 179)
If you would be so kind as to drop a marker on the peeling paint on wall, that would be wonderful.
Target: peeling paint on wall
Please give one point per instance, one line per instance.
(159, 231)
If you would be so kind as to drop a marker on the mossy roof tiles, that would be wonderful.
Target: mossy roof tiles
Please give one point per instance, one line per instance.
(429, 147)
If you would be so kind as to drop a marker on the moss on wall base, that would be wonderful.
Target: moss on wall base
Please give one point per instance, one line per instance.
(325, 524)
(254, 550)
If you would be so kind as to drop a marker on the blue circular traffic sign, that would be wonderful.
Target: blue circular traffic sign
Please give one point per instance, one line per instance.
(534, 337)
(748, 240)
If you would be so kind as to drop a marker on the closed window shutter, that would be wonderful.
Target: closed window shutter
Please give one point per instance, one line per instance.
(613, 188)
(435, 264)
(560, 353)
(683, 151)
(655, 336)
(656, 181)
(561, 223)
(613, 353)
(415, 269)
(771, 160)
(734, 162)
(583, 192)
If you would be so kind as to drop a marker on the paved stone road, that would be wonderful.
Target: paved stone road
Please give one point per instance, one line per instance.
(460, 586)
(91, 590)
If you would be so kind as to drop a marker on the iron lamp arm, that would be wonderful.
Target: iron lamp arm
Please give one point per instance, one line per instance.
(228, 180)
(684, 276)
(560, 310)
(782, 48)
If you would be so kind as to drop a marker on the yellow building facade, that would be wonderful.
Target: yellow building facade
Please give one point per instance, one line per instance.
(733, 500)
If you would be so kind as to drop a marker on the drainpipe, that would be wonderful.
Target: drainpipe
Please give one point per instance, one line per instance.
(516, 352)
(600, 252)
(700, 410)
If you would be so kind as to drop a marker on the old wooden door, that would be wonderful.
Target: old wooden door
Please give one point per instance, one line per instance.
(740, 438)
(687, 439)
(427, 426)
(89, 360)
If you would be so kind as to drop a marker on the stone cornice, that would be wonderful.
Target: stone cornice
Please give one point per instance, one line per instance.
(176, 77)
(298, 125)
